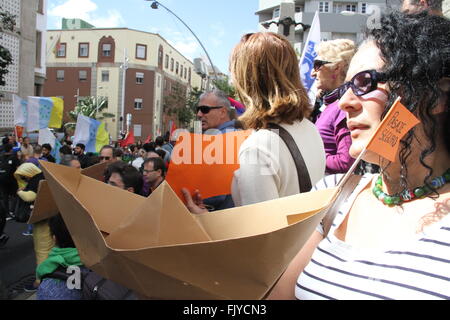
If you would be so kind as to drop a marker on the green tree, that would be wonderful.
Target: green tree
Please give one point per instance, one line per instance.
(225, 86)
(7, 23)
(90, 107)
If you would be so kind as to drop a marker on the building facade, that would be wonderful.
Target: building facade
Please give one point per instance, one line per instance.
(136, 71)
(338, 19)
(27, 46)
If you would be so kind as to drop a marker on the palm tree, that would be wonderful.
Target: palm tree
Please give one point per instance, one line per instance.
(90, 107)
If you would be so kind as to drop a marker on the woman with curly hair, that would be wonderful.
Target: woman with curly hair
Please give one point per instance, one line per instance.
(390, 239)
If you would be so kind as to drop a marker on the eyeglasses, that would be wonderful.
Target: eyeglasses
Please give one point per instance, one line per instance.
(105, 158)
(207, 109)
(148, 171)
(319, 63)
(363, 83)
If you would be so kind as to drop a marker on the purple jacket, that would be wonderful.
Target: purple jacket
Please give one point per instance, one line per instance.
(332, 126)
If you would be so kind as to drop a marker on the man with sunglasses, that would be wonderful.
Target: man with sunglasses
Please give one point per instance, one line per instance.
(215, 112)
(217, 116)
(107, 154)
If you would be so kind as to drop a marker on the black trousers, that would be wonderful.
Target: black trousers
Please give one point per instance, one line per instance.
(7, 201)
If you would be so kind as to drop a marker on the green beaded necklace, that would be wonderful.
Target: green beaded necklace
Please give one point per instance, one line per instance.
(408, 195)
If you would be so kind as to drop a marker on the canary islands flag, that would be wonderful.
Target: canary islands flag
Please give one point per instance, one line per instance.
(38, 112)
(91, 133)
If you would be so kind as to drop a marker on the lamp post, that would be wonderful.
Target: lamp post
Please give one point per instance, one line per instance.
(155, 4)
(286, 22)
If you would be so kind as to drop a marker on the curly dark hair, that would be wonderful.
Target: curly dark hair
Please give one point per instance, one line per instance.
(416, 52)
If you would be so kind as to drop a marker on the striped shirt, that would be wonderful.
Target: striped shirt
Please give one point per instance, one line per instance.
(414, 270)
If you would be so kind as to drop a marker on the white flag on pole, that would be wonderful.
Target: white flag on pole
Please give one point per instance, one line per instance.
(308, 56)
(46, 136)
(20, 111)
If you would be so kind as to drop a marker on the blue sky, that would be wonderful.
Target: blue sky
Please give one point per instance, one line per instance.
(218, 24)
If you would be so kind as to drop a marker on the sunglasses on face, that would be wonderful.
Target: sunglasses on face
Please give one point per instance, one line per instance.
(207, 109)
(319, 63)
(363, 83)
(105, 158)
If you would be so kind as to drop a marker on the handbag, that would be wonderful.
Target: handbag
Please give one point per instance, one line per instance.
(304, 180)
(23, 210)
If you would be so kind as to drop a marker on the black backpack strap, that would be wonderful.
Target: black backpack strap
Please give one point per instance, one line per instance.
(59, 274)
(304, 180)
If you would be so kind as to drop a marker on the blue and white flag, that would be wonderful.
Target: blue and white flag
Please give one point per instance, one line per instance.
(91, 133)
(308, 56)
(37, 113)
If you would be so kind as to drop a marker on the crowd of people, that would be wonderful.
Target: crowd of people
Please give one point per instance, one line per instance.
(389, 239)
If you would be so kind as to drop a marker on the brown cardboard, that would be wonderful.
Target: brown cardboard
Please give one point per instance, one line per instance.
(96, 171)
(160, 250)
(44, 205)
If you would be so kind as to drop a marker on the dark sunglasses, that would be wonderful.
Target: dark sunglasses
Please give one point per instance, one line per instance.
(105, 158)
(319, 63)
(206, 109)
(363, 83)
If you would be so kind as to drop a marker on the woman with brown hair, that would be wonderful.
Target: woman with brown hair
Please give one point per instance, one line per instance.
(266, 75)
(265, 72)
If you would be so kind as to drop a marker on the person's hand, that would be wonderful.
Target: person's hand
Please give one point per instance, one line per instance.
(194, 203)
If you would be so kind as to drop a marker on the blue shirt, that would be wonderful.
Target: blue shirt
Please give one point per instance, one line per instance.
(228, 126)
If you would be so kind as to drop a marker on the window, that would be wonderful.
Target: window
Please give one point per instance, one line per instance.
(40, 7)
(105, 76)
(141, 51)
(59, 75)
(363, 7)
(177, 68)
(189, 75)
(160, 57)
(324, 6)
(171, 64)
(167, 61)
(61, 50)
(181, 71)
(139, 77)
(137, 130)
(299, 9)
(276, 13)
(82, 75)
(351, 7)
(106, 49)
(38, 49)
(83, 50)
(138, 104)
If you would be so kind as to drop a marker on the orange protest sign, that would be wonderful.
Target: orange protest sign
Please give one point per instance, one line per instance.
(205, 162)
(392, 129)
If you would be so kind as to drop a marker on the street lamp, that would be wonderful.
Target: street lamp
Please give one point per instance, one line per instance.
(155, 4)
(287, 22)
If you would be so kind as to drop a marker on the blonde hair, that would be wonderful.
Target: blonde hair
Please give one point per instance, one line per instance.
(265, 72)
(338, 51)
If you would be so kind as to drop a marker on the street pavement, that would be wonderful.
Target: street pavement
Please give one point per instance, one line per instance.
(17, 262)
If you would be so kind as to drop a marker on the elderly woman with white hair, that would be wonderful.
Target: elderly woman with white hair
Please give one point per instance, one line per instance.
(330, 68)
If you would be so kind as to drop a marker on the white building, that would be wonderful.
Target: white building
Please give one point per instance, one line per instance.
(338, 19)
(27, 46)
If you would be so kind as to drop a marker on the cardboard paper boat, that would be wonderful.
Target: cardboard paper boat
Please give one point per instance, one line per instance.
(45, 206)
(157, 248)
